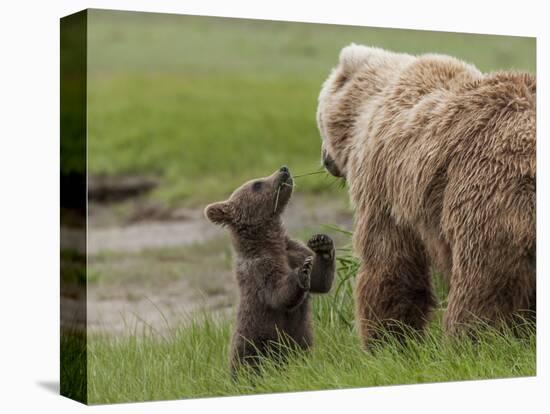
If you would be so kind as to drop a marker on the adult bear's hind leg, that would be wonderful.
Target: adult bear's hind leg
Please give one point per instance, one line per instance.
(489, 286)
(394, 287)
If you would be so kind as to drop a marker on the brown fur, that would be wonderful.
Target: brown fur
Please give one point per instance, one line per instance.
(440, 163)
(275, 274)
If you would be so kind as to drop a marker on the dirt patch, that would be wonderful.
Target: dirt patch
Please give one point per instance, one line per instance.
(147, 235)
(187, 226)
(126, 310)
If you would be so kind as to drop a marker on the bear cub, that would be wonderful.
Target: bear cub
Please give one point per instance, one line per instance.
(275, 274)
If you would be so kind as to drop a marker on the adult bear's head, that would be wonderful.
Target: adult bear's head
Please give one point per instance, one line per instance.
(360, 76)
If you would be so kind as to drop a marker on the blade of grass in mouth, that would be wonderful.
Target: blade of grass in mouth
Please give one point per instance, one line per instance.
(306, 174)
(277, 198)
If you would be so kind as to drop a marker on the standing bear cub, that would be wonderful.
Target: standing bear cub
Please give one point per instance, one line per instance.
(275, 274)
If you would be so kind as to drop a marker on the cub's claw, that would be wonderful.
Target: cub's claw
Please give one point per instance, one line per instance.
(304, 280)
(308, 265)
(322, 244)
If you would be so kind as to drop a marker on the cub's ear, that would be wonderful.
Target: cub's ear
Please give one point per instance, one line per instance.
(218, 213)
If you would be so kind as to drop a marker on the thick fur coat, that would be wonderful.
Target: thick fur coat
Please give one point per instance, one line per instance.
(275, 274)
(440, 163)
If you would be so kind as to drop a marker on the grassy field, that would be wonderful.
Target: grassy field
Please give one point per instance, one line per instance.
(207, 103)
(192, 360)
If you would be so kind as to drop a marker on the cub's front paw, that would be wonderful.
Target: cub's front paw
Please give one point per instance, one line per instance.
(304, 274)
(322, 245)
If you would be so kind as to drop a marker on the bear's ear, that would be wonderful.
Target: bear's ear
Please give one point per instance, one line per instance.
(353, 56)
(218, 213)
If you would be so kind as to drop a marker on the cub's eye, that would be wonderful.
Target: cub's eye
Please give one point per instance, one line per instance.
(257, 186)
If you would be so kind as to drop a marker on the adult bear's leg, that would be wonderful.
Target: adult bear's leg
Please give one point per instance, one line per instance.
(489, 285)
(394, 287)
(490, 222)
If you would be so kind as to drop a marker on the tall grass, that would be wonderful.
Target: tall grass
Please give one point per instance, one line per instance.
(192, 361)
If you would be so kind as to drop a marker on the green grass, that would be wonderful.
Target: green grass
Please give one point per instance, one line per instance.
(73, 374)
(192, 361)
(207, 103)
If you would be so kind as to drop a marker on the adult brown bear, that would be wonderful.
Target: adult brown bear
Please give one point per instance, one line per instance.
(440, 163)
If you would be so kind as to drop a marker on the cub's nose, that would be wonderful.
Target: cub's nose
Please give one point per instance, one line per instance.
(284, 169)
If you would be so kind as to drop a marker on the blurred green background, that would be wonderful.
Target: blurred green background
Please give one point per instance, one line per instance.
(204, 104)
